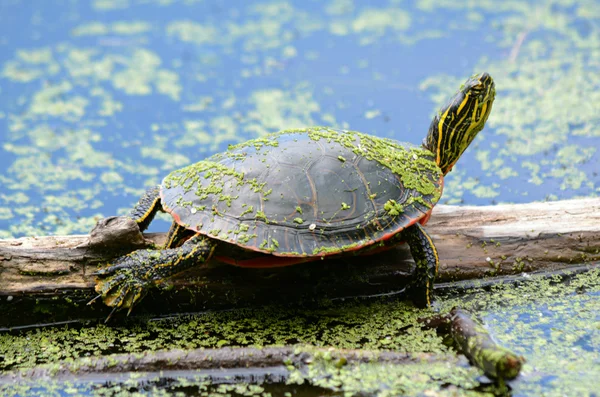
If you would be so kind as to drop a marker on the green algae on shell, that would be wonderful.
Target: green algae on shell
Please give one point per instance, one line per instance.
(298, 171)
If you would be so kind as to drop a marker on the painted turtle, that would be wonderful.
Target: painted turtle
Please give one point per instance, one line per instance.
(301, 195)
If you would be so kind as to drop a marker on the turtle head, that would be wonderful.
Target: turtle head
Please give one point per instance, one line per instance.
(458, 122)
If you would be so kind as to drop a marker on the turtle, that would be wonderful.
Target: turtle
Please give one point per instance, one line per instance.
(302, 195)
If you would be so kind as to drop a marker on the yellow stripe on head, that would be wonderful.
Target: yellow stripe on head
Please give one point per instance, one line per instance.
(463, 103)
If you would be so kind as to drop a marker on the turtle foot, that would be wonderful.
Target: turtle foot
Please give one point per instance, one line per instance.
(122, 285)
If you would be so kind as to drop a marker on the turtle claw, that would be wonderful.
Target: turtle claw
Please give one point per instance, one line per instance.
(110, 315)
(121, 286)
(94, 299)
(121, 293)
(130, 309)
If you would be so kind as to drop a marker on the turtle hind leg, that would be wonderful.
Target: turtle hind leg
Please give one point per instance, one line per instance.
(124, 283)
(426, 260)
(146, 208)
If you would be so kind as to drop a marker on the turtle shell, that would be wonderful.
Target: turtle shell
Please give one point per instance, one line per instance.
(306, 192)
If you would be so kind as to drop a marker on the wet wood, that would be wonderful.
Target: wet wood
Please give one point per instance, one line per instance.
(473, 242)
(276, 359)
(474, 341)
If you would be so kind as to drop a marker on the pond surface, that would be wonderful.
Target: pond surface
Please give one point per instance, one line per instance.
(101, 99)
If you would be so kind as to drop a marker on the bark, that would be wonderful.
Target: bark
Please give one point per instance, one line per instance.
(473, 242)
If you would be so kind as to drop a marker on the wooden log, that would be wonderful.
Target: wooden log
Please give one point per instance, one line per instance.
(251, 360)
(473, 242)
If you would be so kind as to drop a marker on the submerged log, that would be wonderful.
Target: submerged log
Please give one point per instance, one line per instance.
(473, 242)
(277, 359)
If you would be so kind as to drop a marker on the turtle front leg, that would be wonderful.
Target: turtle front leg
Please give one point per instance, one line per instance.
(125, 282)
(426, 260)
(146, 208)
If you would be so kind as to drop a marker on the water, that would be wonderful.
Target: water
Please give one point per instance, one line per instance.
(101, 99)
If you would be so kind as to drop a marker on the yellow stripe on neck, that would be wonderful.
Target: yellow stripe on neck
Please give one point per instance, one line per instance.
(458, 123)
(439, 138)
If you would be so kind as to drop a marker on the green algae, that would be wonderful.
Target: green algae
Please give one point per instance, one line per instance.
(555, 350)
(119, 28)
(371, 326)
(333, 250)
(450, 378)
(143, 73)
(192, 32)
(215, 172)
(264, 30)
(258, 143)
(414, 165)
(30, 64)
(393, 208)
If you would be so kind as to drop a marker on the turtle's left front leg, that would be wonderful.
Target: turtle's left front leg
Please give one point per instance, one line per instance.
(125, 282)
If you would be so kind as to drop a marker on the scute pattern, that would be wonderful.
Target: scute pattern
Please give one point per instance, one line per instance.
(309, 192)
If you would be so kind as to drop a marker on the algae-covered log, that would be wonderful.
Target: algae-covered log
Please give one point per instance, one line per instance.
(476, 343)
(280, 359)
(473, 242)
(470, 337)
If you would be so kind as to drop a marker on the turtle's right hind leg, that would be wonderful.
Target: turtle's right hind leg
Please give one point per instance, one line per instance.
(427, 263)
(146, 208)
